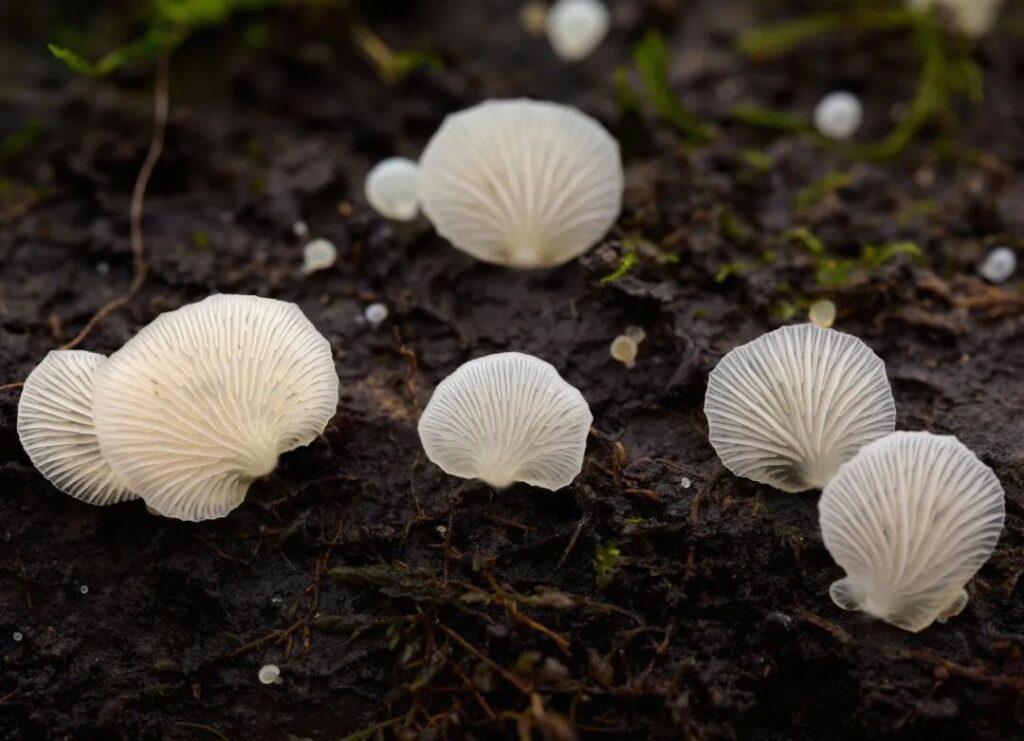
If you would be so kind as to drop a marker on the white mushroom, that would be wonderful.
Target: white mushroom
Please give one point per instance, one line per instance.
(576, 27)
(392, 188)
(999, 265)
(522, 183)
(55, 425)
(838, 115)
(203, 401)
(973, 17)
(793, 405)
(319, 254)
(910, 519)
(505, 418)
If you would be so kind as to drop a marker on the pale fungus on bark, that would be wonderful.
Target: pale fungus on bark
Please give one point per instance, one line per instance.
(505, 418)
(790, 407)
(522, 183)
(204, 400)
(910, 519)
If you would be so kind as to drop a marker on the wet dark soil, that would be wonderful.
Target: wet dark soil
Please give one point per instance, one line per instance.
(401, 602)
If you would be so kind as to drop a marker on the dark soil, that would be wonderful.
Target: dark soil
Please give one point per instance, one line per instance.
(394, 597)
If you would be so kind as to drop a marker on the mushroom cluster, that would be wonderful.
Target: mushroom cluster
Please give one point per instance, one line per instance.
(910, 516)
(188, 413)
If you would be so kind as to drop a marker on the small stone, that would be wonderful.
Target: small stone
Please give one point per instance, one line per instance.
(822, 313)
(838, 115)
(84, 589)
(375, 314)
(685, 482)
(17, 636)
(270, 674)
(999, 266)
(319, 254)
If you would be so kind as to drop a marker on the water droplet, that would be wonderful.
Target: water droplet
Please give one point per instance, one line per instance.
(685, 482)
(17, 636)
(375, 314)
(999, 265)
(270, 674)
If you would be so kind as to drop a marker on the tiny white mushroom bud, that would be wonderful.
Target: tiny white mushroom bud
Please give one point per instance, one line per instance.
(973, 17)
(522, 183)
(505, 418)
(576, 27)
(392, 188)
(270, 674)
(319, 254)
(55, 425)
(202, 401)
(300, 229)
(624, 349)
(910, 519)
(838, 115)
(999, 265)
(375, 314)
(822, 313)
(793, 405)
(685, 482)
(17, 636)
(84, 589)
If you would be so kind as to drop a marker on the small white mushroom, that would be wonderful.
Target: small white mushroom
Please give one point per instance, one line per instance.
(999, 265)
(576, 27)
(625, 347)
(203, 401)
(838, 115)
(319, 254)
(822, 313)
(505, 418)
(910, 519)
(522, 183)
(392, 188)
(793, 405)
(269, 674)
(376, 314)
(973, 17)
(55, 425)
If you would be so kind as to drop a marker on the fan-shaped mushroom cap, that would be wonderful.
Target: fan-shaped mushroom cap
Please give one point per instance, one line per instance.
(522, 183)
(910, 519)
(505, 418)
(203, 401)
(790, 407)
(56, 427)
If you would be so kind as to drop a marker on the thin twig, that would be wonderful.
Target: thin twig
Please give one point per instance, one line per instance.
(161, 107)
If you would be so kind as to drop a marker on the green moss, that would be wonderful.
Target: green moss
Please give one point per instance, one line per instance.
(820, 189)
(651, 59)
(626, 264)
(758, 160)
(606, 564)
